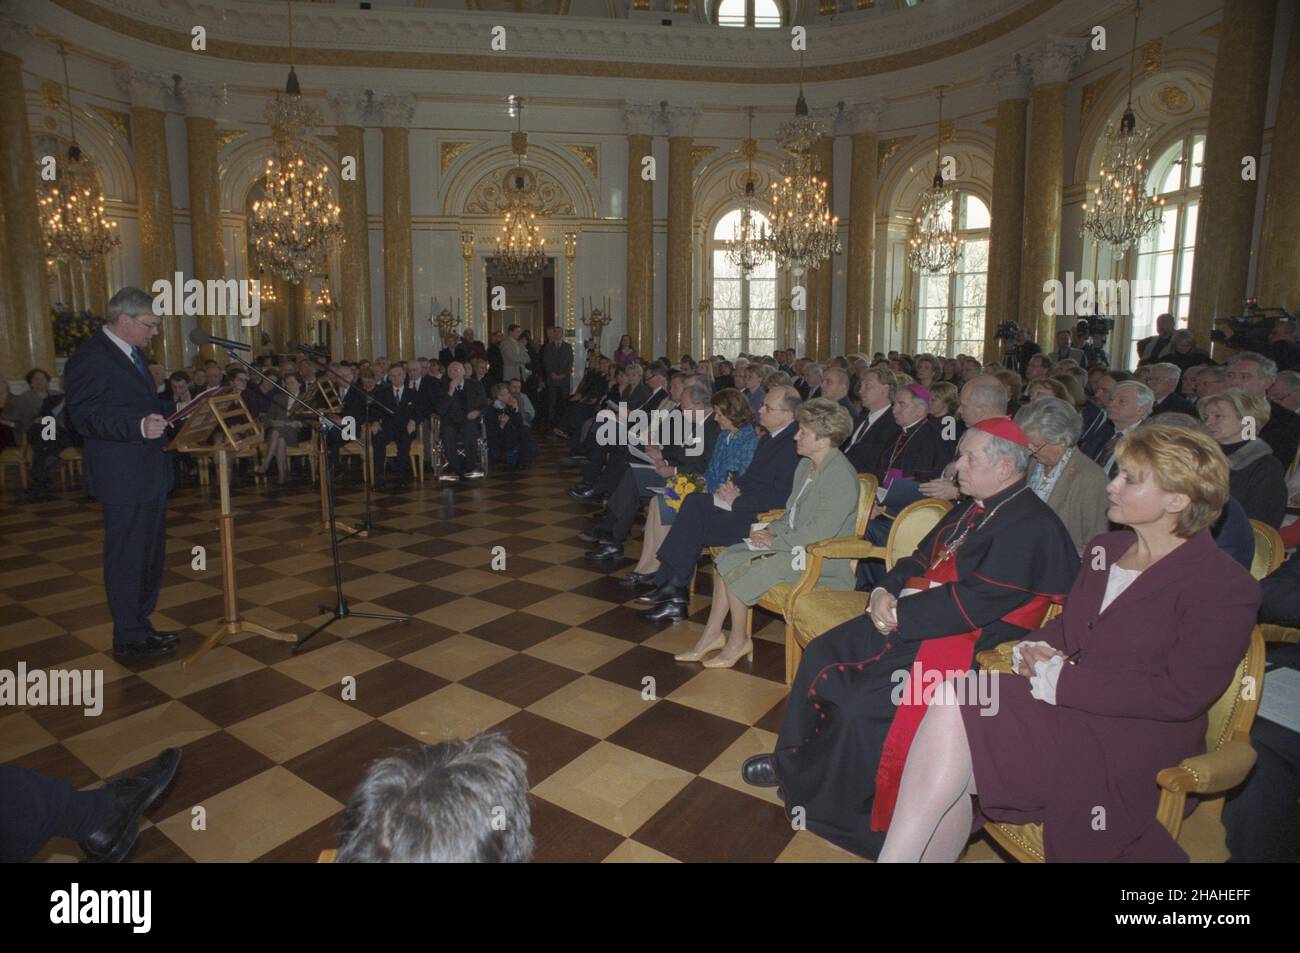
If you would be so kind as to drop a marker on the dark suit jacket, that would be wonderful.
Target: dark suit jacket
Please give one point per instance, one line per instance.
(922, 458)
(677, 456)
(1281, 587)
(1097, 430)
(107, 399)
(766, 484)
(1282, 433)
(557, 358)
(865, 454)
(452, 409)
(391, 425)
(426, 398)
(1174, 404)
(723, 381)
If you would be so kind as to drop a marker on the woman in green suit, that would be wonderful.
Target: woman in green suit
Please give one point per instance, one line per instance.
(823, 504)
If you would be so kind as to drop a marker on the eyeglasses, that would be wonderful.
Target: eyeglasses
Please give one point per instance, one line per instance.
(151, 325)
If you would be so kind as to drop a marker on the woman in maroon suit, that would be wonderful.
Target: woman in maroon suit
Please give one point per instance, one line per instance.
(1117, 688)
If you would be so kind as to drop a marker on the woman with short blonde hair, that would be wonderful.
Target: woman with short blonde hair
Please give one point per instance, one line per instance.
(1256, 479)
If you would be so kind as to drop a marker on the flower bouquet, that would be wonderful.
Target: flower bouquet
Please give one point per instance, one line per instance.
(72, 329)
(682, 486)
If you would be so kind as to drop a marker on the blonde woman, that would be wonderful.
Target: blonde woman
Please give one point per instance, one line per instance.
(823, 504)
(1255, 477)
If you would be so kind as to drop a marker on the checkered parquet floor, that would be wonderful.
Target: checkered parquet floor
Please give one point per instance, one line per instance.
(550, 650)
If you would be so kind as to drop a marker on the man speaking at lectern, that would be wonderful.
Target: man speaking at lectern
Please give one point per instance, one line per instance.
(113, 403)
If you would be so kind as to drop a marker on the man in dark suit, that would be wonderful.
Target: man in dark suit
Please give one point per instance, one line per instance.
(701, 522)
(396, 427)
(835, 386)
(1255, 374)
(644, 399)
(634, 483)
(1163, 381)
(114, 404)
(725, 376)
(876, 428)
(557, 363)
(460, 408)
(1159, 345)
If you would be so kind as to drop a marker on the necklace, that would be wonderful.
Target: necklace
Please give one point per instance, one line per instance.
(953, 545)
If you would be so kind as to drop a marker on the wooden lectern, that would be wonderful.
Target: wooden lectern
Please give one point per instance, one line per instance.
(322, 395)
(222, 425)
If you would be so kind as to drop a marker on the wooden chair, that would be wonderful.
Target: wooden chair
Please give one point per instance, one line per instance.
(19, 457)
(328, 856)
(1269, 550)
(71, 466)
(1228, 758)
(416, 457)
(812, 611)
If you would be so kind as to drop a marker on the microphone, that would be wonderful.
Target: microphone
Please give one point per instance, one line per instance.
(314, 350)
(199, 336)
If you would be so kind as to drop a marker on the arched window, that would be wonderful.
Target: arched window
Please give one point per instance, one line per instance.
(744, 310)
(1163, 263)
(755, 13)
(950, 311)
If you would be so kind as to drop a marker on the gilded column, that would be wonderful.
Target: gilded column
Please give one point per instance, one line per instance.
(28, 337)
(1051, 65)
(153, 185)
(1002, 299)
(863, 120)
(396, 112)
(817, 335)
(350, 108)
(202, 103)
(682, 121)
(638, 120)
(1277, 283)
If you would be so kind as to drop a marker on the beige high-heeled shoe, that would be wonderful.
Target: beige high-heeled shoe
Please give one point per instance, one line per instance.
(719, 662)
(713, 646)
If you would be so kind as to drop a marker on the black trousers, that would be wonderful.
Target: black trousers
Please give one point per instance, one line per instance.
(135, 544)
(380, 447)
(1261, 816)
(557, 392)
(626, 499)
(698, 524)
(460, 446)
(37, 807)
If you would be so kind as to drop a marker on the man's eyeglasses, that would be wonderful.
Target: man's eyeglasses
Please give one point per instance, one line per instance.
(151, 325)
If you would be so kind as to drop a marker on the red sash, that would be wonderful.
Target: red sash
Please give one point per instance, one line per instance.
(951, 653)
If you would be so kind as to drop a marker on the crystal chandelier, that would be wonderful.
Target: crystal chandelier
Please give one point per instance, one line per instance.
(803, 229)
(521, 249)
(746, 249)
(296, 222)
(934, 245)
(1120, 211)
(71, 208)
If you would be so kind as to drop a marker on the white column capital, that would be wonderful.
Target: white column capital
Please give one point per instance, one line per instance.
(202, 100)
(864, 117)
(1012, 80)
(639, 118)
(144, 88)
(394, 110)
(1056, 59)
(682, 120)
(351, 107)
(828, 116)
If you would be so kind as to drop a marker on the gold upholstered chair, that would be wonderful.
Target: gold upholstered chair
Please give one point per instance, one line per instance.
(1269, 549)
(777, 599)
(1227, 760)
(811, 611)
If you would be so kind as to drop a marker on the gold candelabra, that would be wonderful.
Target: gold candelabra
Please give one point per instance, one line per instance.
(596, 319)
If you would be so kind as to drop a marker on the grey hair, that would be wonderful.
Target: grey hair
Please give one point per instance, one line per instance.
(839, 371)
(1056, 421)
(1220, 374)
(1267, 366)
(699, 393)
(992, 394)
(997, 449)
(1290, 378)
(814, 369)
(1164, 370)
(790, 399)
(453, 802)
(1146, 398)
(128, 301)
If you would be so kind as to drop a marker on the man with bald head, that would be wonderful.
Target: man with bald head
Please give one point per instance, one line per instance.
(982, 398)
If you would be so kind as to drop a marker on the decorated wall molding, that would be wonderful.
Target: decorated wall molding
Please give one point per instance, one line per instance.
(474, 181)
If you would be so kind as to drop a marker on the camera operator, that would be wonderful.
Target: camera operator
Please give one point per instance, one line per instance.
(1284, 344)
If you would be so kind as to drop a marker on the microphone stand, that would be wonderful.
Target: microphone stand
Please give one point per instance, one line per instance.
(340, 610)
(366, 445)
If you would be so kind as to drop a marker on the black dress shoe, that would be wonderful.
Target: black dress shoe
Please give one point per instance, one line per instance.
(758, 771)
(596, 535)
(666, 593)
(573, 461)
(165, 638)
(581, 492)
(634, 579)
(605, 551)
(148, 647)
(672, 611)
(132, 797)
